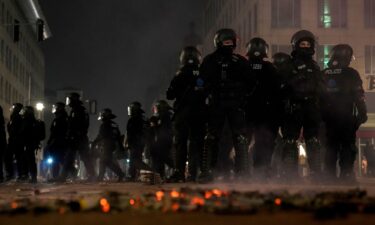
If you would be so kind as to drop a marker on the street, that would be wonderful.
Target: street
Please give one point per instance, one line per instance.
(44, 193)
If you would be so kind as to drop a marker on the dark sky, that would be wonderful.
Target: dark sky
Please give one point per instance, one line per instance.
(115, 50)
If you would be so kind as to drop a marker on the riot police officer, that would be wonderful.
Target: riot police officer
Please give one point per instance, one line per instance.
(283, 64)
(226, 81)
(3, 143)
(263, 111)
(108, 139)
(136, 139)
(160, 137)
(344, 110)
(188, 120)
(15, 148)
(57, 142)
(78, 124)
(32, 133)
(303, 88)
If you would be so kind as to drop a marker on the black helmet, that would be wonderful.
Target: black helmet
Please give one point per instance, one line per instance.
(27, 112)
(16, 108)
(73, 98)
(58, 107)
(135, 108)
(190, 55)
(280, 59)
(225, 35)
(106, 114)
(257, 48)
(341, 56)
(303, 35)
(161, 107)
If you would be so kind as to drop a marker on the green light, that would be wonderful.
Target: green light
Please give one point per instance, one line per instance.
(326, 17)
(326, 57)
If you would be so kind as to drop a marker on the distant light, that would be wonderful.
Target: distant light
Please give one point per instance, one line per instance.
(302, 151)
(128, 160)
(39, 106)
(50, 160)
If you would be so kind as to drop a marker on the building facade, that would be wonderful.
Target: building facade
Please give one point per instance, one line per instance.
(332, 21)
(22, 69)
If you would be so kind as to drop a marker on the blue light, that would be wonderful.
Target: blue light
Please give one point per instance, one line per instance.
(50, 160)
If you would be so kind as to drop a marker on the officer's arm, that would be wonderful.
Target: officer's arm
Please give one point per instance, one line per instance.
(99, 137)
(171, 92)
(359, 98)
(205, 73)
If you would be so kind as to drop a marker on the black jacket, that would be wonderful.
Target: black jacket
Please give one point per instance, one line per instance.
(343, 98)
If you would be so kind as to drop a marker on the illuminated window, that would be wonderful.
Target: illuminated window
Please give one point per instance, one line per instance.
(332, 13)
(323, 55)
(256, 18)
(286, 13)
(369, 13)
(369, 60)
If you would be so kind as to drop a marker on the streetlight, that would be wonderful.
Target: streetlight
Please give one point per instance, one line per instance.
(39, 107)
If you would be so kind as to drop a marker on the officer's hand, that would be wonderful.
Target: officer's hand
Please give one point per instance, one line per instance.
(362, 118)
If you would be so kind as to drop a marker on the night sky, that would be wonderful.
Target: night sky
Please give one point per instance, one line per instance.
(115, 50)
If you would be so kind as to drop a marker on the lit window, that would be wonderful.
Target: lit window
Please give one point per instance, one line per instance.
(332, 13)
(369, 13)
(324, 55)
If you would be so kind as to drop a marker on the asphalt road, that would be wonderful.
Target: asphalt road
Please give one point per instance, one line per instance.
(45, 191)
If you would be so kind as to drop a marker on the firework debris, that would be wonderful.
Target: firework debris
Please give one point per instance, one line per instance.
(324, 205)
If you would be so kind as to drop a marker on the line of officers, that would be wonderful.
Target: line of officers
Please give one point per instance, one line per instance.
(259, 102)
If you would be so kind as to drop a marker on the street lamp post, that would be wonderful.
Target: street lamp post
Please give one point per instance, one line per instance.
(39, 107)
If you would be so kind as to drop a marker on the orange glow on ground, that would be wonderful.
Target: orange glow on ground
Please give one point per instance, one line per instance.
(159, 195)
(278, 201)
(175, 194)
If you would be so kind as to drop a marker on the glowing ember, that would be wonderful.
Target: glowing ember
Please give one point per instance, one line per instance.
(175, 207)
(278, 201)
(132, 202)
(159, 195)
(207, 194)
(197, 201)
(14, 205)
(105, 206)
(175, 194)
(217, 192)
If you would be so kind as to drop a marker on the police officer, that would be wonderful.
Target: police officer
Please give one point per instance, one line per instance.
(263, 111)
(136, 139)
(303, 89)
(108, 139)
(344, 110)
(3, 143)
(32, 133)
(15, 148)
(78, 124)
(226, 81)
(188, 121)
(283, 64)
(160, 137)
(57, 142)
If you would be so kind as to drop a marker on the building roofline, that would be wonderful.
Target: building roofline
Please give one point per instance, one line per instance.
(33, 12)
